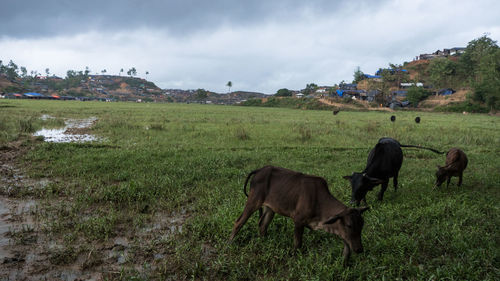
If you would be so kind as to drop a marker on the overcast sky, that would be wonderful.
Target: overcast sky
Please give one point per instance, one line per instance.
(259, 45)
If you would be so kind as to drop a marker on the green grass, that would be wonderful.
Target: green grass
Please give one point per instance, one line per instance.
(166, 159)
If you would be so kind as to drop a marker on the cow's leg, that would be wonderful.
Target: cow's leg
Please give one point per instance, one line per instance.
(298, 232)
(448, 181)
(265, 220)
(382, 190)
(250, 208)
(346, 253)
(395, 182)
(460, 179)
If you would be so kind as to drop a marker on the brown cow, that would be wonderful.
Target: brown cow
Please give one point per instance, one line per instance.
(307, 201)
(456, 162)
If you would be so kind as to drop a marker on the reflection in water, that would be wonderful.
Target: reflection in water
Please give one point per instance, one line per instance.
(68, 134)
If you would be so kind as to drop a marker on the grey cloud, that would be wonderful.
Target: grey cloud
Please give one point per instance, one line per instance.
(22, 19)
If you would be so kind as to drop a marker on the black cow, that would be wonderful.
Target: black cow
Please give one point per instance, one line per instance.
(384, 162)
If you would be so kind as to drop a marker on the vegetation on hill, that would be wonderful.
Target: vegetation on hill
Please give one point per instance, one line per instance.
(478, 68)
(14, 79)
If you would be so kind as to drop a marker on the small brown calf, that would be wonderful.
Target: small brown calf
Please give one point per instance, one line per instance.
(456, 162)
(307, 201)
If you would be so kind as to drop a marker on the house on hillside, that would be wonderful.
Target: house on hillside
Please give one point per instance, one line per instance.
(322, 90)
(358, 94)
(454, 51)
(408, 85)
(372, 94)
(445, 91)
(442, 54)
(368, 76)
(344, 86)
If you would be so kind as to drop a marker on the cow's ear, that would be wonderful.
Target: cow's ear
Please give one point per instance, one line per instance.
(332, 220)
(362, 210)
(349, 178)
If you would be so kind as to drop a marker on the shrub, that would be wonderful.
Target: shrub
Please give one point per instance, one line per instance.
(463, 106)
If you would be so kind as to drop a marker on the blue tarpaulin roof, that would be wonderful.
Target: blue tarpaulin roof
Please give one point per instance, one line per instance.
(445, 92)
(340, 93)
(33, 95)
(372, 76)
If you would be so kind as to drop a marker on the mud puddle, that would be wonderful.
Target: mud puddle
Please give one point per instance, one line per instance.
(75, 130)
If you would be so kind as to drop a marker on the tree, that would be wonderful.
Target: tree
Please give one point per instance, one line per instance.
(475, 51)
(47, 71)
(201, 94)
(11, 70)
(283, 93)
(24, 72)
(229, 85)
(103, 71)
(87, 71)
(358, 76)
(121, 71)
(132, 72)
(147, 72)
(441, 71)
(70, 74)
(487, 88)
(416, 94)
(310, 88)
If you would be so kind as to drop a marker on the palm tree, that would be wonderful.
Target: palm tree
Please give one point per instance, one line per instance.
(121, 71)
(229, 85)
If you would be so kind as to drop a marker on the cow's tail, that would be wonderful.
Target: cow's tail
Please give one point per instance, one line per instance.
(248, 178)
(428, 148)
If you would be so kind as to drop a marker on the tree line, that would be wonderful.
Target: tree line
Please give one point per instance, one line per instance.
(12, 71)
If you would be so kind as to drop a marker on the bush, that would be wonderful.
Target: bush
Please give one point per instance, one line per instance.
(416, 94)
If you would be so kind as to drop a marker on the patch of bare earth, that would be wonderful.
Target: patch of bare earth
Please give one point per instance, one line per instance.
(433, 101)
(29, 251)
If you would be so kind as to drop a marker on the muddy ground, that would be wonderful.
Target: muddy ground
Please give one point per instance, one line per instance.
(29, 252)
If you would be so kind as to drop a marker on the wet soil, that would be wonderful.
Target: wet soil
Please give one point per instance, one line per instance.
(28, 251)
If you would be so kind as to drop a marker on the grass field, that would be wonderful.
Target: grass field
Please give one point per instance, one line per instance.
(185, 165)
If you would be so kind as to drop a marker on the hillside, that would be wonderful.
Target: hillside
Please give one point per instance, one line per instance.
(203, 96)
(84, 86)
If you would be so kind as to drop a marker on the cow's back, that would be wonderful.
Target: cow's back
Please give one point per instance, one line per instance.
(456, 160)
(385, 159)
(286, 191)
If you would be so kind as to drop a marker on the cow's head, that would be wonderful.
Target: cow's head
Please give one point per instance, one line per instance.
(349, 226)
(361, 183)
(440, 176)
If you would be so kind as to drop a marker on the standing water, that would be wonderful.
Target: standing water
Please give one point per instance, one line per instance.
(72, 132)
